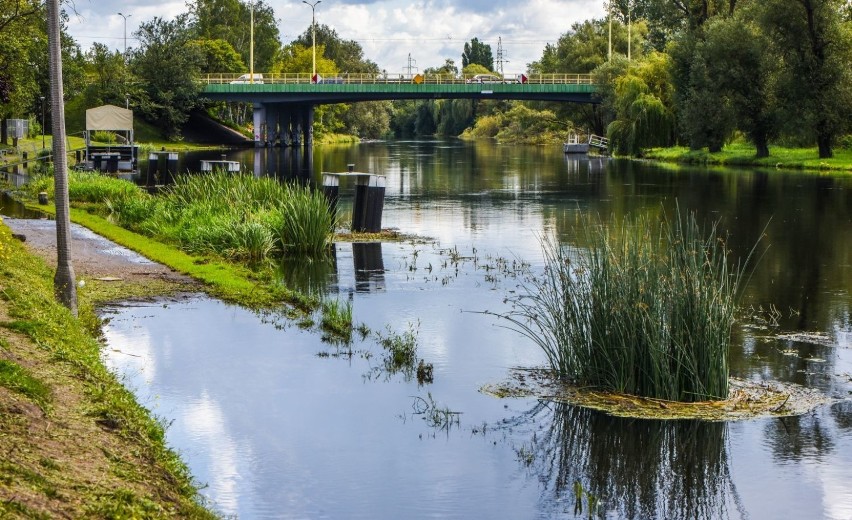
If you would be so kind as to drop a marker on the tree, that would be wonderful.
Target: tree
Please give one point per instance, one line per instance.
(476, 52)
(348, 55)
(64, 283)
(22, 36)
(815, 47)
(298, 59)
(168, 68)
(230, 20)
(643, 103)
(735, 55)
(217, 56)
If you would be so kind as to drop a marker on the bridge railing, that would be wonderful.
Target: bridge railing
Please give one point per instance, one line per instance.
(380, 79)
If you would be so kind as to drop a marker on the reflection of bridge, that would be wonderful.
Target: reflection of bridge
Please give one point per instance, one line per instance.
(284, 103)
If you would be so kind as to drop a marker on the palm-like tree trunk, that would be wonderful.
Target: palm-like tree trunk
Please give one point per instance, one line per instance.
(64, 285)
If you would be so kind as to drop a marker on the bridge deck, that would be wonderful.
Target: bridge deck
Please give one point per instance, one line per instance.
(298, 88)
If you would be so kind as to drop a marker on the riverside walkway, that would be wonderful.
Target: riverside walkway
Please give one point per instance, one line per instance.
(284, 103)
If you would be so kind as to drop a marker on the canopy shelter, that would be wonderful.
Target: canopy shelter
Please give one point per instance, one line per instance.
(109, 118)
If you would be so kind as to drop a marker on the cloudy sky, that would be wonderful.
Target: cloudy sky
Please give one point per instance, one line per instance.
(388, 30)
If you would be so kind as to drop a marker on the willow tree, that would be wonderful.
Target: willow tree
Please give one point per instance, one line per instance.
(63, 282)
(642, 101)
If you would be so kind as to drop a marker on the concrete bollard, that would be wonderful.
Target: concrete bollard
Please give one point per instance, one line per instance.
(331, 190)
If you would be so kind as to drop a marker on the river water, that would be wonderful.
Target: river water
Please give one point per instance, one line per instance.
(278, 423)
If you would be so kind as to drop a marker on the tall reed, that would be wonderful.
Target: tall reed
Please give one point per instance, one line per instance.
(646, 309)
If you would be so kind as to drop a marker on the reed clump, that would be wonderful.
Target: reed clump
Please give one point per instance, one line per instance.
(646, 309)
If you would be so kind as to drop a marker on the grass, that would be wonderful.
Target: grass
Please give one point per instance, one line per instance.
(646, 310)
(227, 231)
(61, 350)
(337, 319)
(19, 380)
(743, 154)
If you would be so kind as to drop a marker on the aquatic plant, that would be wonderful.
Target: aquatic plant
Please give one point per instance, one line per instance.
(646, 309)
(306, 224)
(337, 319)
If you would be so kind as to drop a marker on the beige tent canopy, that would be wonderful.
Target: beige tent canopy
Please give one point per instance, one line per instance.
(109, 118)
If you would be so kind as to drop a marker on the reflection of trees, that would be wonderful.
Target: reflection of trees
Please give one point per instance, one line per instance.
(633, 468)
(795, 438)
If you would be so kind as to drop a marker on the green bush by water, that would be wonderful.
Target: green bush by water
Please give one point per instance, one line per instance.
(646, 310)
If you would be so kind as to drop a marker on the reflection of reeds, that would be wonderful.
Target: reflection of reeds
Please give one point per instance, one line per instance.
(634, 469)
(647, 310)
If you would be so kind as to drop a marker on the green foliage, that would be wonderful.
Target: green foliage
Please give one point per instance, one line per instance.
(347, 55)
(477, 53)
(230, 20)
(642, 101)
(337, 319)
(16, 378)
(646, 309)
(218, 56)
(298, 59)
(168, 67)
(585, 47)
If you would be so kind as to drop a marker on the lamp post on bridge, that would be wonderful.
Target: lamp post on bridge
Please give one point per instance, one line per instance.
(313, 35)
(251, 42)
(125, 16)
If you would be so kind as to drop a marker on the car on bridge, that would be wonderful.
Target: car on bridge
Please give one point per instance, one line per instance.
(491, 78)
(245, 79)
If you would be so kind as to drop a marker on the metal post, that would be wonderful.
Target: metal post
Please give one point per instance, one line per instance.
(251, 43)
(42, 121)
(125, 16)
(313, 34)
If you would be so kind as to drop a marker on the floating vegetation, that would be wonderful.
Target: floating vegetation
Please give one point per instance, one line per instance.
(813, 338)
(646, 310)
(438, 417)
(747, 399)
(400, 356)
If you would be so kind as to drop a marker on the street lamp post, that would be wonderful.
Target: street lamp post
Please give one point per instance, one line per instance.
(42, 121)
(251, 42)
(313, 34)
(125, 16)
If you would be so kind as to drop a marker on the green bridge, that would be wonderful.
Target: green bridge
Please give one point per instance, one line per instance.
(284, 103)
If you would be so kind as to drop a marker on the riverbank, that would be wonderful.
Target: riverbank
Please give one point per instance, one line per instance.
(55, 392)
(741, 154)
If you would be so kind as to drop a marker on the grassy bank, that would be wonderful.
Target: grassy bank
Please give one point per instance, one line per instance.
(742, 154)
(75, 442)
(226, 231)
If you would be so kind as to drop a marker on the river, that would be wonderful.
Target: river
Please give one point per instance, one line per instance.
(278, 423)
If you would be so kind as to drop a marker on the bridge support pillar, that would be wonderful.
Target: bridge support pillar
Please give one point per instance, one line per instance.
(285, 122)
(272, 116)
(259, 122)
(308, 119)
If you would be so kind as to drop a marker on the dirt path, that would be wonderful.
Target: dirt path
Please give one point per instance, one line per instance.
(92, 255)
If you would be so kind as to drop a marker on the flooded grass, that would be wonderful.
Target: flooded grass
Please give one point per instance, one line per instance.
(646, 310)
(336, 320)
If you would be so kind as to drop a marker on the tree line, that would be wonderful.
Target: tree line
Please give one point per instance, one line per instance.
(693, 72)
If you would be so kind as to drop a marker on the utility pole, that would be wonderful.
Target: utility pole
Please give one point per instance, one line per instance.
(410, 68)
(313, 34)
(251, 42)
(500, 59)
(609, 9)
(125, 16)
(629, 24)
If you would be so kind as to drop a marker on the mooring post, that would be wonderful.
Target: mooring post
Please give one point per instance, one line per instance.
(331, 190)
(171, 167)
(153, 167)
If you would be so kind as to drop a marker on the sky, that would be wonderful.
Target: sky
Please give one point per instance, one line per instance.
(431, 31)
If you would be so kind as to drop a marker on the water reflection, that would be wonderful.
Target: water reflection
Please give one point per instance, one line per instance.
(321, 275)
(626, 468)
